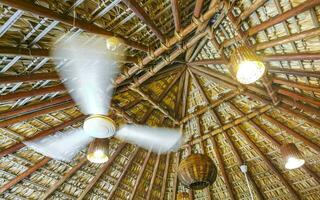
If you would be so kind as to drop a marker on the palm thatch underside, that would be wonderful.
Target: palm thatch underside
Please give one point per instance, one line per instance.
(175, 74)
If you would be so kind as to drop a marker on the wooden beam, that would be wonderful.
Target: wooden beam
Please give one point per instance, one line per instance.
(169, 87)
(292, 192)
(292, 56)
(207, 62)
(240, 162)
(222, 169)
(296, 72)
(31, 93)
(69, 20)
(34, 107)
(29, 116)
(178, 102)
(300, 97)
(136, 184)
(253, 8)
(165, 176)
(23, 175)
(293, 133)
(175, 178)
(146, 116)
(176, 14)
(301, 86)
(198, 8)
(28, 78)
(143, 16)
(154, 173)
(307, 5)
(115, 186)
(170, 42)
(290, 38)
(67, 175)
(185, 95)
(41, 134)
(101, 171)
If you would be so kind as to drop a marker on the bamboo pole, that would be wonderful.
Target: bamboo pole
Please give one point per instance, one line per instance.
(296, 72)
(135, 187)
(178, 102)
(154, 173)
(253, 8)
(299, 97)
(23, 175)
(101, 171)
(284, 16)
(67, 175)
(68, 20)
(143, 16)
(175, 178)
(176, 15)
(41, 134)
(132, 156)
(165, 176)
(301, 86)
(198, 8)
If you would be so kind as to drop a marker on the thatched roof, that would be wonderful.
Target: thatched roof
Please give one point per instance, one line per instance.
(175, 75)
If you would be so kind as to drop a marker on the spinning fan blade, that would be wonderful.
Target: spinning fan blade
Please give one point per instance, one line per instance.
(159, 140)
(61, 146)
(89, 73)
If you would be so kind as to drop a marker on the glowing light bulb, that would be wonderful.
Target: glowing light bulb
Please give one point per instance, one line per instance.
(250, 71)
(293, 163)
(291, 156)
(98, 151)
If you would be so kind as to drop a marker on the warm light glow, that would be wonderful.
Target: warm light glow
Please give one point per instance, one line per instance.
(98, 151)
(112, 43)
(98, 156)
(250, 71)
(293, 163)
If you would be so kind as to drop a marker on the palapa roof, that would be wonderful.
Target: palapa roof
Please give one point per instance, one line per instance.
(175, 75)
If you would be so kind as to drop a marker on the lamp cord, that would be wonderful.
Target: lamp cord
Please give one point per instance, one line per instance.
(251, 195)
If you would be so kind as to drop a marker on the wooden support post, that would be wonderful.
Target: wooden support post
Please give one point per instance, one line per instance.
(135, 187)
(154, 173)
(143, 16)
(165, 177)
(23, 175)
(293, 193)
(31, 93)
(284, 16)
(132, 156)
(68, 20)
(222, 169)
(67, 175)
(101, 171)
(176, 15)
(240, 162)
(44, 133)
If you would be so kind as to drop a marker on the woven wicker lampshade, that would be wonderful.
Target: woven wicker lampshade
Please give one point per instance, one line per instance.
(197, 171)
(98, 151)
(183, 196)
(291, 156)
(246, 66)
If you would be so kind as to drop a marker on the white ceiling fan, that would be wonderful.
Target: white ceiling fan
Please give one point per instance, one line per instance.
(88, 77)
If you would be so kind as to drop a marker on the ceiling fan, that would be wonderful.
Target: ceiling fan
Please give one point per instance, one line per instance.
(88, 77)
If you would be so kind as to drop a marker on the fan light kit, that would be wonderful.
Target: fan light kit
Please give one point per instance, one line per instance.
(291, 156)
(89, 76)
(246, 66)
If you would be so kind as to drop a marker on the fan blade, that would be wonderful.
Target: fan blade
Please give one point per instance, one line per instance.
(89, 73)
(158, 140)
(61, 146)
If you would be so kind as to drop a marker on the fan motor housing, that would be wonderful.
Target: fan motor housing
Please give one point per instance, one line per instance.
(99, 126)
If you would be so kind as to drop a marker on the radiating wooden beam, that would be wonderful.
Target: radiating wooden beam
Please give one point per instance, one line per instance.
(301, 86)
(296, 72)
(185, 94)
(135, 187)
(284, 16)
(240, 162)
(208, 62)
(68, 20)
(143, 16)
(176, 14)
(101, 171)
(292, 192)
(170, 42)
(115, 186)
(146, 115)
(292, 133)
(168, 71)
(67, 175)
(29, 116)
(28, 78)
(165, 177)
(23, 175)
(290, 38)
(175, 178)
(43, 133)
(178, 102)
(300, 97)
(34, 107)
(253, 8)
(292, 56)
(153, 177)
(222, 169)
(169, 87)
(31, 93)
(198, 8)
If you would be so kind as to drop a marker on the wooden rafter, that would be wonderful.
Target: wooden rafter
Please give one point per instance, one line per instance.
(153, 177)
(296, 72)
(101, 171)
(177, 107)
(28, 78)
(301, 86)
(68, 20)
(253, 8)
(176, 15)
(175, 178)
(165, 176)
(141, 14)
(198, 8)
(300, 97)
(185, 94)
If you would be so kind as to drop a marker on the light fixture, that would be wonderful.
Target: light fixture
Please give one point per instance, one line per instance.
(98, 151)
(246, 66)
(112, 43)
(99, 126)
(291, 156)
